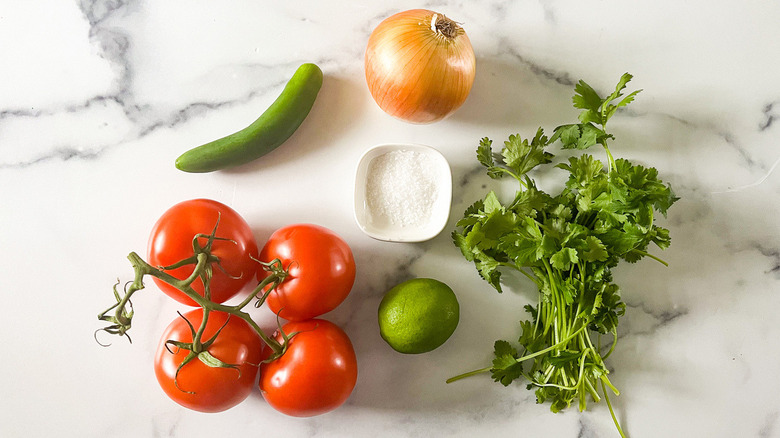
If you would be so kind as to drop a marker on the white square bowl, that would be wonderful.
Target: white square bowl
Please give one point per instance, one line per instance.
(381, 227)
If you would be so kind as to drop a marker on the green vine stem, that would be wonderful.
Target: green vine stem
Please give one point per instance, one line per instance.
(120, 314)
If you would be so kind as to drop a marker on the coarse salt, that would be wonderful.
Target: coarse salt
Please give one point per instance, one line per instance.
(401, 188)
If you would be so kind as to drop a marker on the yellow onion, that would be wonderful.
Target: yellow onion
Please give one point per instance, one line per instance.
(420, 66)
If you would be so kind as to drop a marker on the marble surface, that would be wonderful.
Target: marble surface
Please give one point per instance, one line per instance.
(98, 97)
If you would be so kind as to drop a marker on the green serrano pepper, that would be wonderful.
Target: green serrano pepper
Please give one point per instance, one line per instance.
(265, 134)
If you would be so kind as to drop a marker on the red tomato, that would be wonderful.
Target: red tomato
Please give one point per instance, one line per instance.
(201, 387)
(322, 271)
(171, 242)
(315, 375)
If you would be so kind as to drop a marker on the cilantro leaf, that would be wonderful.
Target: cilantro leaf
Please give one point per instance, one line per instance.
(530, 201)
(485, 157)
(491, 203)
(661, 237)
(595, 250)
(608, 310)
(586, 98)
(564, 358)
(520, 248)
(518, 156)
(621, 241)
(564, 258)
(644, 186)
(465, 249)
(567, 134)
(472, 215)
(497, 224)
(521, 156)
(488, 270)
(505, 366)
(664, 199)
(621, 85)
(485, 152)
(595, 112)
(609, 109)
(580, 136)
(562, 211)
(528, 337)
(583, 170)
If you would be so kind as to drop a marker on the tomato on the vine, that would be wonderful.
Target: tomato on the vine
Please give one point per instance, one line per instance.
(202, 387)
(321, 271)
(315, 375)
(171, 241)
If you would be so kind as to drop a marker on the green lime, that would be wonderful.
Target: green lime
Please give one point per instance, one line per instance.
(418, 315)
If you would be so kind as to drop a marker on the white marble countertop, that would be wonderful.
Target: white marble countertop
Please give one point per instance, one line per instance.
(98, 97)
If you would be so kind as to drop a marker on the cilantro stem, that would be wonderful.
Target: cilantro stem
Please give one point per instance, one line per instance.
(522, 271)
(548, 373)
(609, 405)
(573, 387)
(512, 174)
(469, 374)
(557, 316)
(552, 347)
(612, 347)
(592, 390)
(659, 260)
(519, 359)
(610, 158)
(605, 380)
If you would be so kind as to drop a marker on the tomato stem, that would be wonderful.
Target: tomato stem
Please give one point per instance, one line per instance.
(206, 304)
(276, 276)
(121, 318)
(196, 343)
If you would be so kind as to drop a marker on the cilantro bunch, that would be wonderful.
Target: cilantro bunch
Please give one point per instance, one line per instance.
(567, 244)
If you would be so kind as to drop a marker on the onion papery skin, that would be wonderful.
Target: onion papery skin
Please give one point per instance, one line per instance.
(415, 73)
